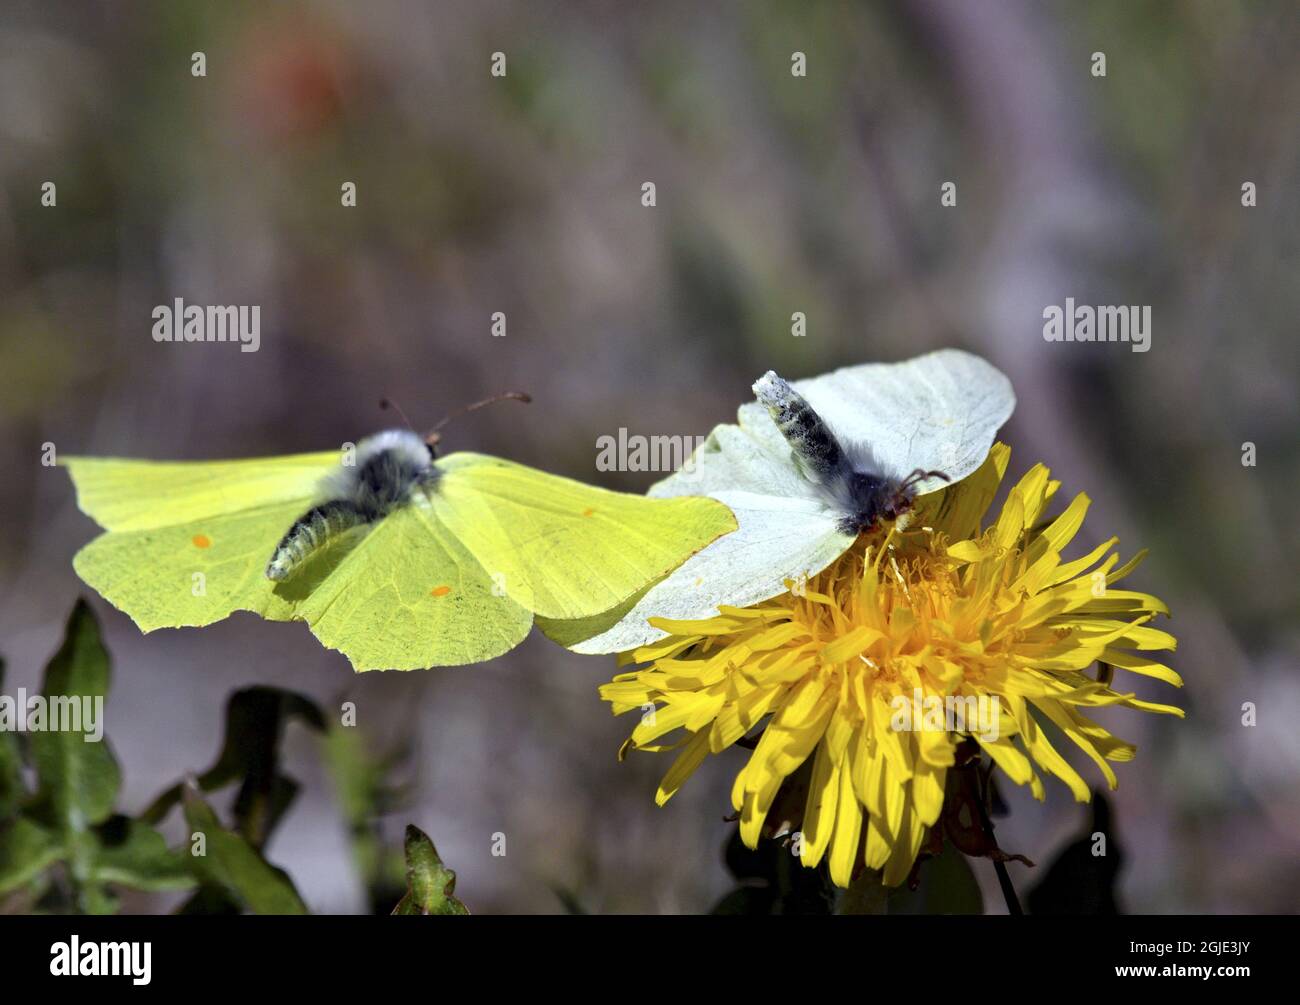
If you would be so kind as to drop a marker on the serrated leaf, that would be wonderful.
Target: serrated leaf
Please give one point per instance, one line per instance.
(430, 884)
(233, 866)
(78, 779)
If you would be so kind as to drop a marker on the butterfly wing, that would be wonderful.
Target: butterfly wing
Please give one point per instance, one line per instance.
(120, 494)
(937, 412)
(187, 545)
(564, 549)
(409, 595)
(738, 459)
(783, 538)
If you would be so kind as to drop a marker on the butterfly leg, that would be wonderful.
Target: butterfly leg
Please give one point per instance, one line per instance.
(920, 474)
(901, 501)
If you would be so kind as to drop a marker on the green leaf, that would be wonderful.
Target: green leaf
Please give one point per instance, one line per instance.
(773, 879)
(430, 884)
(569, 900)
(26, 850)
(250, 754)
(78, 779)
(95, 899)
(134, 854)
(236, 868)
(365, 794)
(947, 886)
(1081, 880)
(210, 900)
(867, 894)
(12, 791)
(747, 900)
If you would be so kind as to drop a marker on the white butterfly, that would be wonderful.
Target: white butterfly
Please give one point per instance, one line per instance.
(811, 464)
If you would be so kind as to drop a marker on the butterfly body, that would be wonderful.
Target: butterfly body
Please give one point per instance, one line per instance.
(387, 468)
(869, 497)
(852, 480)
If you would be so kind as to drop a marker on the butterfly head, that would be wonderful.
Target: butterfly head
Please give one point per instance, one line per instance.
(874, 497)
(434, 436)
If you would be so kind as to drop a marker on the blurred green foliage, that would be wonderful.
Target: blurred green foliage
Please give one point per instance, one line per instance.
(62, 847)
(65, 849)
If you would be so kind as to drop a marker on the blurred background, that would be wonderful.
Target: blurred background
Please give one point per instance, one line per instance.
(775, 194)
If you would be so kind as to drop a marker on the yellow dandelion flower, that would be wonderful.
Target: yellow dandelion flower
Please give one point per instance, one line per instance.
(947, 612)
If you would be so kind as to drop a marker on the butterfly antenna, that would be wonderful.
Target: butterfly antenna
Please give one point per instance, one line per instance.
(506, 396)
(387, 403)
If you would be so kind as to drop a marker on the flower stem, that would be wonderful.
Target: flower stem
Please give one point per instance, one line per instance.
(1000, 867)
(1008, 891)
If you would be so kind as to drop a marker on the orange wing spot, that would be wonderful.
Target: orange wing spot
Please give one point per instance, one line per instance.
(440, 591)
(201, 541)
(588, 511)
